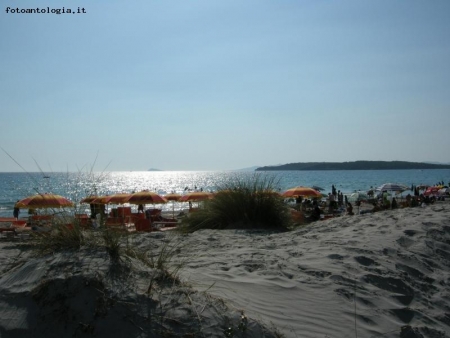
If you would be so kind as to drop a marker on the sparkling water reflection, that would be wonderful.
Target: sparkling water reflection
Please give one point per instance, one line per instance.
(14, 186)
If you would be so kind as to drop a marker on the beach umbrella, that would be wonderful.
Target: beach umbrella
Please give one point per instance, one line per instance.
(301, 191)
(120, 198)
(146, 197)
(431, 191)
(42, 201)
(100, 200)
(315, 187)
(196, 196)
(393, 187)
(89, 199)
(358, 196)
(173, 197)
(444, 191)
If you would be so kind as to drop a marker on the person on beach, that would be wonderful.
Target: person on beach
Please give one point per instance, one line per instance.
(315, 215)
(298, 202)
(349, 209)
(385, 200)
(16, 211)
(376, 207)
(408, 200)
(140, 209)
(332, 205)
(340, 197)
(394, 204)
(93, 211)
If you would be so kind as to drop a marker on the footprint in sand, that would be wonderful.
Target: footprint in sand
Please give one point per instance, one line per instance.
(405, 314)
(439, 236)
(390, 284)
(336, 256)
(365, 261)
(405, 242)
(414, 273)
(410, 232)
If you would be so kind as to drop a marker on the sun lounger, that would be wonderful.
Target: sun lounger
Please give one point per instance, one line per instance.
(164, 224)
(7, 219)
(40, 220)
(7, 229)
(143, 225)
(114, 221)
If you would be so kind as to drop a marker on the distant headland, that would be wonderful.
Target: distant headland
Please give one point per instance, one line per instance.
(356, 165)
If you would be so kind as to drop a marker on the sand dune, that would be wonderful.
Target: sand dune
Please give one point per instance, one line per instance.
(375, 275)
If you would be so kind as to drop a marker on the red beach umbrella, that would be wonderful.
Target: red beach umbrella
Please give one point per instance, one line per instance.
(42, 201)
(431, 191)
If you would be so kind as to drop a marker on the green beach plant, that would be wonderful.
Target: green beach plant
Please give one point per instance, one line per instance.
(243, 203)
(60, 237)
(113, 241)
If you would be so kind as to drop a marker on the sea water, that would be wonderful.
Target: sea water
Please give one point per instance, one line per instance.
(75, 186)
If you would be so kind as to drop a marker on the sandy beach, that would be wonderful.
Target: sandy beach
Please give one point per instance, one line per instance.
(374, 275)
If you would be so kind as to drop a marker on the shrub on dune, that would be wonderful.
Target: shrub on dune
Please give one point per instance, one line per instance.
(251, 203)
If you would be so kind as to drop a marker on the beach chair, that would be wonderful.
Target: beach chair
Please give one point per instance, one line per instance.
(297, 216)
(134, 217)
(123, 211)
(114, 221)
(6, 230)
(41, 220)
(143, 224)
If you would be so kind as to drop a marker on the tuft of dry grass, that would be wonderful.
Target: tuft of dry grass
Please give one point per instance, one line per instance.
(248, 203)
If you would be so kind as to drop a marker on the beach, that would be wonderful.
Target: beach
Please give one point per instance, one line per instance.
(385, 274)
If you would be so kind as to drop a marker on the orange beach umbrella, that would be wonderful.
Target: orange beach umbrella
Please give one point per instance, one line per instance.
(41, 201)
(301, 191)
(146, 197)
(89, 199)
(173, 197)
(112, 199)
(196, 196)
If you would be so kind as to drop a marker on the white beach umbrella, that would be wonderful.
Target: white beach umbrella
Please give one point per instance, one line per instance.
(358, 196)
(444, 191)
(393, 187)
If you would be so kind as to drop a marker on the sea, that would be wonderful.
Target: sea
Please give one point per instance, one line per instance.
(77, 185)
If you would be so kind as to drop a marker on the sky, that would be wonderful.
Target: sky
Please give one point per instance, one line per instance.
(222, 84)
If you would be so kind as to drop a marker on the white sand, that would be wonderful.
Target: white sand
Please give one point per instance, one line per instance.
(395, 264)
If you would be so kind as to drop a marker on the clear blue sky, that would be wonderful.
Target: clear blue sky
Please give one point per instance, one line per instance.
(223, 84)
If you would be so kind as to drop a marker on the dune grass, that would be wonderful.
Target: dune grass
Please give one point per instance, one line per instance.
(243, 203)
